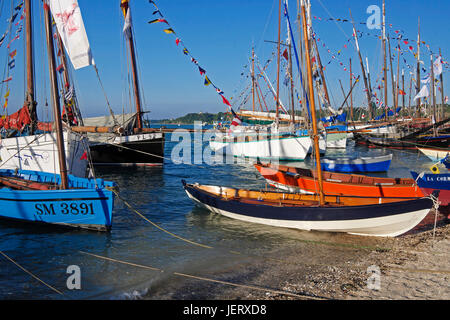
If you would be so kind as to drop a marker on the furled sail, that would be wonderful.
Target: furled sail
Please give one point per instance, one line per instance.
(69, 22)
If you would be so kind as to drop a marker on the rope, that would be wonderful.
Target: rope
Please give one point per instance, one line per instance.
(28, 272)
(252, 287)
(106, 97)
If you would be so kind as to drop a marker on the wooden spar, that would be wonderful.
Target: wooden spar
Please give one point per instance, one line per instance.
(55, 96)
(292, 83)
(253, 79)
(433, 94)
(418, 71)
(403, 89)
(125, 7)
(409, 99)
(366, 85)
(392, 74)
(351, 94)
(351, 89)
(312, 104)
(384, 63)
(278, 62)
(322, 75)
(30, 94)
(441, 79)
(397, 83)
(66, 77)
(302, 63)
(343, 92)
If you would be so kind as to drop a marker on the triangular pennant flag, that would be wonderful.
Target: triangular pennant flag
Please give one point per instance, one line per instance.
(158, 20)
(225, 101)
(202, 72)
(12, 63)
(285, 54)
(84, 156)
(60, 68)
(170, 30)
(207, 81)
(177, 41)
(13, 54)
(185, 51)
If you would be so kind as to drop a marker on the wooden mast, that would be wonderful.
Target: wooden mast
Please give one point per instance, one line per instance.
(385, 64)
(441, 79)
(351, 94)
(253, 79)
(392, 74)
(125, 7)
(292, 81)
(397, 83)
(30, 94)
(322, 75)
(55, 96)
(418, 71)
(312, 104)
(433, 94)
(403, 89)
(278, 63)
(368, 90)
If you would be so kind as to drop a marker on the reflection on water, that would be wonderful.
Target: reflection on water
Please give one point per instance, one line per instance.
(157, 193)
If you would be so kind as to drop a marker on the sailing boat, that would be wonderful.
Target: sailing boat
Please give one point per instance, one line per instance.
(266, 142)
(23, 148)
(373, 216)
(50, 198)
(134, 145)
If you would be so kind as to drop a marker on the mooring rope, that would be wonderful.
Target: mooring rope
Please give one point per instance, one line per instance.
(185, 275)
(31, 274)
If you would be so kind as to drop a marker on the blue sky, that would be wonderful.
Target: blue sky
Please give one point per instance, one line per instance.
(220, 35)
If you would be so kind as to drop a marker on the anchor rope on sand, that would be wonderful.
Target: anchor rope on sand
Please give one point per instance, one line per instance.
(185, 275)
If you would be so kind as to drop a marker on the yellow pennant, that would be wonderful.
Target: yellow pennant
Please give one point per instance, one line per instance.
(7, 94)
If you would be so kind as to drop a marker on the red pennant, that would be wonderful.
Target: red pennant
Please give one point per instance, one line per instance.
(225, 100)
(285, 54)
(177, 41)
(84, 156)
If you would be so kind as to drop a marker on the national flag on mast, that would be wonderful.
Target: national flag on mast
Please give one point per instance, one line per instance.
(236, 120)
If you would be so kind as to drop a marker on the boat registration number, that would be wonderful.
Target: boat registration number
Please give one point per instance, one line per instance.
(73, 208)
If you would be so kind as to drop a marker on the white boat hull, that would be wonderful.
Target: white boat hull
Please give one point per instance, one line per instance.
(40, 153)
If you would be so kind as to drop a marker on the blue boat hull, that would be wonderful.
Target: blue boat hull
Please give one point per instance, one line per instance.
(88, 206)
(357, 167)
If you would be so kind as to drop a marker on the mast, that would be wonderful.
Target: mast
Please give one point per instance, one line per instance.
(433, 94)
(319, 61)
(368, 91)
(392, 74)
(313, 109)
(292, 82)
(125, 9)
(351, 94)
(403, 89)
(55, 96)
(385, 63)
(304, 107)
(397, 83)
(418, 71)
(278, 62)
(30, 94)
(441, 79)
(253, 79)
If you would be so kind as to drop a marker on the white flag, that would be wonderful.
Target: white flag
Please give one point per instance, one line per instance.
(437, 67)
(69, 22)
(423, 93)
(127, 25)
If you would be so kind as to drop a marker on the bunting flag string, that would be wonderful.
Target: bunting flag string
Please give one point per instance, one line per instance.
(178, 41)
(11, 63)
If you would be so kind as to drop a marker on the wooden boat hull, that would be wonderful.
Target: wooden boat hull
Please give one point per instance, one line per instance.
(430, 182)
(363, 164)
(385, 219)
(145, 149)
(304, 180)
(87, 206)
(383, 142)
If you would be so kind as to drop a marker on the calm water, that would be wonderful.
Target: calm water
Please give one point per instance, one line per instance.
(158, 194)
